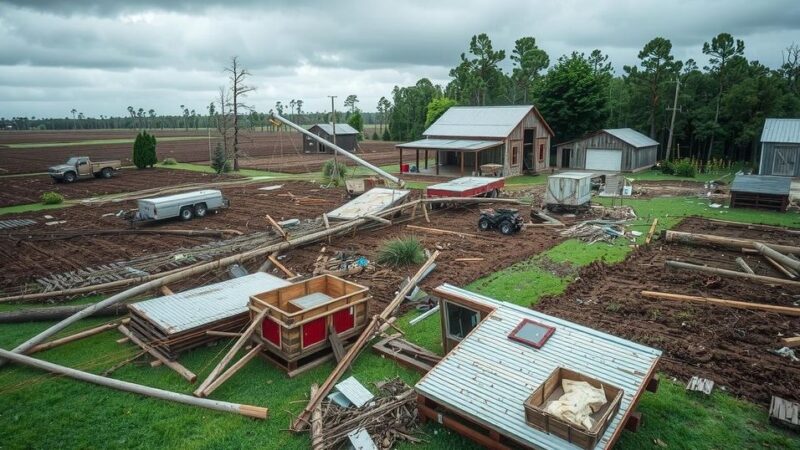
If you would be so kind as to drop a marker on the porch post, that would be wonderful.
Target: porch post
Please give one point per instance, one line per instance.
(462, 163)
(401, 158)
(426, 158)
(437, 162)
(475, 169)
(417, 160)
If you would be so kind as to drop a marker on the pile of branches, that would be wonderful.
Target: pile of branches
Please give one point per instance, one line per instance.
(592, 231)
(614, 212)
(391, 416)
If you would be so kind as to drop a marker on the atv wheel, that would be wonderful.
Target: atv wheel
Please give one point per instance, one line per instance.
(483, 224)
(506, 227)
(186, 213)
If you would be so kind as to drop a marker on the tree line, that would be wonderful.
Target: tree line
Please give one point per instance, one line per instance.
(720, 104)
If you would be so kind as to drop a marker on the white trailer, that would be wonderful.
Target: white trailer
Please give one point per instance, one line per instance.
(568, 190)
(185, 205)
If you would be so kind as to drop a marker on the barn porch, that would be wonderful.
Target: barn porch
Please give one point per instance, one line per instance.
(452, 157)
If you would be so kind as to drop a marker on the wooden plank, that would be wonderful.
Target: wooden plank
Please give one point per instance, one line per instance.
(72, 338)
(651, 231)
(166, 290)
(784, 412)
(278, 228)
(698, 384)
(425, 212)
(317, 442)
(731, 274)
(791, 341)
(280, 266)
(336, 343)
(174, 365)
(232, 370)
(780, 267)
(439, 231)
(378, 219)
(786, 310)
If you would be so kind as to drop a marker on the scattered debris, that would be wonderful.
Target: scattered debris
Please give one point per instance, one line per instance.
(349, 392)
(270, 188)
(15, 223)
(407, 353)
(55, 222)
(698, 384)
(784, 412)
(592, 231)
(786, 352)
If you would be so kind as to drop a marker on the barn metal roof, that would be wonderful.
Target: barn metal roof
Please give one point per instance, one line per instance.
(478, 121)
(341, 128)
(762, 184)
(451, 144)
(199, 306)
(631, 137)
(488, 376)
(781, 130)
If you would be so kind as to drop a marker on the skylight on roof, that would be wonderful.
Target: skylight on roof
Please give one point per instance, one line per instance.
(531, 333)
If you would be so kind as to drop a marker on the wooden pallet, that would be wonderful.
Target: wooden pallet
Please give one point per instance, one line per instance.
(769, 202)
(784, 412)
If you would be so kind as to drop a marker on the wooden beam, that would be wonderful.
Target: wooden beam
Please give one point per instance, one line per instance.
(681, 237)
(317, 442)
(440, 231)
(278, 228)
(786, 272)
(731, 274)
(174, 365)
(378, 219)
(165, 290)
(791, 341)
(232, 370)
(425, 212)
(222, 334)
(741, 262)
(274, 259)
(651, 231)
(786, 310)
(327, 224)
(245, 410)
(72, 338)
(777, 256)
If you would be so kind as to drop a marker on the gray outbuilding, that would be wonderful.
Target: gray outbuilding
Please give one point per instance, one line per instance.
(608, 150)
(346, 138)
(780, 148)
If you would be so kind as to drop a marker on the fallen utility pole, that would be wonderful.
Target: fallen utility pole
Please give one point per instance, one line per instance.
(681, 237)
(244, 410)
(303, 419)
(57, 313)
(768, 251)
(743, 264)
(68, 234)
(732, 274)
(786, 310)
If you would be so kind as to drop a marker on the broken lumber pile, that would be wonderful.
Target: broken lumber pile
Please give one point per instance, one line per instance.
(407, 354)
(592, 231)
(709, 240)
(731, 273)
(786, 310)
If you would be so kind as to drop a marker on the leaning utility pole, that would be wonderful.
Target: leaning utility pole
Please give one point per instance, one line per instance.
(672, 122)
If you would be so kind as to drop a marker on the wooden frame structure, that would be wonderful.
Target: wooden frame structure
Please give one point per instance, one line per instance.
(307, 321)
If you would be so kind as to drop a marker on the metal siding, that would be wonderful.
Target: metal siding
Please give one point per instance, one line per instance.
(354, 391)
(766, 164)
(781, 130)
(341, 129)
(195, 307)
(631, 137)
(487, 377)
(373, 201)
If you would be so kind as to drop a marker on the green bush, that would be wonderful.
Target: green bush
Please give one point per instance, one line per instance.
(170, 161)
(144, 150)
(375, 136)
(401, 252)
(52, 198)
(685, 168)
(667, 168)
(386, 135)
(334, 171)
(220, 162)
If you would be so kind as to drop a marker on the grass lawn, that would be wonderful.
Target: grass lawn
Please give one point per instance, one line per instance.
(252, 173)
(99, 142)
(44, 411)
(28, 207)
(656, 175)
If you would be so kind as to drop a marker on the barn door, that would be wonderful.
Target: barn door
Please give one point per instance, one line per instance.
(785, 161)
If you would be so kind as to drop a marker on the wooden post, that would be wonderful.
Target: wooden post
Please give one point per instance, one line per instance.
(721, 302)
(274, 259)
(437, 162)
(401, 158)
(417, 160)
(317, 442)
(233, 369)
(327, 225)
(651, 231)
(174, 365)
(277, 227)
(475, 169)
(462, 162)
(426, 159)
(732, 274)
(787, 272)
(744, 265)
(425, 211)
(777, 256)
(72, 338)
(245, 410)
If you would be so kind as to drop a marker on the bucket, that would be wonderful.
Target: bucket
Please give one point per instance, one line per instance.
(404, 168)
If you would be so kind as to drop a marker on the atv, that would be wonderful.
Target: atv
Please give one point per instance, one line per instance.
(507, 220)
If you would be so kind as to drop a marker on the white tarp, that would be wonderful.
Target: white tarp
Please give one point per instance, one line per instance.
(579, 402)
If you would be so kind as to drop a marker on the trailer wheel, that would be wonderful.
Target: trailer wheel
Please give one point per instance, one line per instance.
(506, 227)
(106, 172)
(200, 210)
(70, 177)
(186, 213)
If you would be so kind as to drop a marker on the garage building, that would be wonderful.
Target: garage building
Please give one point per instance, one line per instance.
(608, 150)
(346, 138)
(780, 148)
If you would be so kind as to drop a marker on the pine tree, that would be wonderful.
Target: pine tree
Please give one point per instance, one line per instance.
(150, 153)
(220, 161)
(386, 135)
(139, 158)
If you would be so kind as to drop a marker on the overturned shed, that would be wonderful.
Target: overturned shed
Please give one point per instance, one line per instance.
(498, 354)
(761, 192)
(175, 323)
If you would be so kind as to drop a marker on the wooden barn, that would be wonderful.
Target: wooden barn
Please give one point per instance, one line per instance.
(346, 138)
(780, 148)
(309, 322)
(608, 150)
(508, 140)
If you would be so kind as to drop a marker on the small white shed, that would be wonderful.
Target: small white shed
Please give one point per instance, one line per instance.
(568, 189)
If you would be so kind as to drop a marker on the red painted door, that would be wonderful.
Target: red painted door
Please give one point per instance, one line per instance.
(344, 320)
(271, 331)
(314, 332)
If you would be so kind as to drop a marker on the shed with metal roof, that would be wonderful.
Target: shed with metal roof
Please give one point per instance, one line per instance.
(465, 138)
(780, 148)
(346, 137)
(761, 192)
(480, 386)
(608, 150)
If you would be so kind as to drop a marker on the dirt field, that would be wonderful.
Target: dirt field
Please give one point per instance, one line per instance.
(260, 150)
(729, 346)
(21, 190)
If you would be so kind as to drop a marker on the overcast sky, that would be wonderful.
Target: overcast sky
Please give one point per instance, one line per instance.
(101, 56)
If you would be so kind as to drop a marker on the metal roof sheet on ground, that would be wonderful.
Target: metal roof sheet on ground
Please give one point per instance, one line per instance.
(762, 184)
(184, 195)
(488, 376)
(371, 202)
(572, 175)
(451, 144)
(196, 307)
(464, 183)
(354, 391)
(341, 128)
(781, 130)
(478, 121)
(631, 136)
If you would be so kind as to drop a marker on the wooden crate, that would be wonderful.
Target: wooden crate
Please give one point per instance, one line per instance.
(770, 202)
(537, 417)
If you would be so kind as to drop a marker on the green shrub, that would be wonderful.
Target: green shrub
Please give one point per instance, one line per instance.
(667, 168)
(685, 168)
(220, 162)
(386, 135)
(334, 171)
(52, 198)
(170, 161)
(375, 136)
(144, 150)
(401, 252)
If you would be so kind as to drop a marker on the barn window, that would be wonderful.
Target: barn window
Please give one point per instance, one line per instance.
(531, 333)
(541, 152)
(514, 156)
(459, 321)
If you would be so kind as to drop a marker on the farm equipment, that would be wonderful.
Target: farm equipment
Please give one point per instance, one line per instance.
(186, 206)
(507, 220)
(81, 166)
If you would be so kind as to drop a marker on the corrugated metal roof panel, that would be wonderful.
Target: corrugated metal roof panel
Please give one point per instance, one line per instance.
(341, 128)
(185, 310)
(354, 391)
(572, 175)
(487, 377)
(781, 130)
(631, 136)
(464, 183)
(762, 184)
(451, 144)
(360, 440)
(478, 121)
(373, 201)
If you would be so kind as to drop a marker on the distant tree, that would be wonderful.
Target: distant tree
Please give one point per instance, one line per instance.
(222, 120)
(299, 107)
(436, 108)
(74, 121)
(152, 115)
(722, 49)
(384, 106)
(238, 76)
(350, 102)
(144, 150)
(375, 136)
(478, 80)
(386, 136)
(407, 118)
(529, 60)
(357, 121)
(219, 161)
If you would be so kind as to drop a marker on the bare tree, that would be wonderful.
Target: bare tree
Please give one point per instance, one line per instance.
(223, 120)
(239, 89)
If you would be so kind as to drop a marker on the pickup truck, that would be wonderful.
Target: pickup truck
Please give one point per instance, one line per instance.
(81, 166)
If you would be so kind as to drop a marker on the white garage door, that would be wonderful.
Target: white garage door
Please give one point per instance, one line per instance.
(603, 159)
